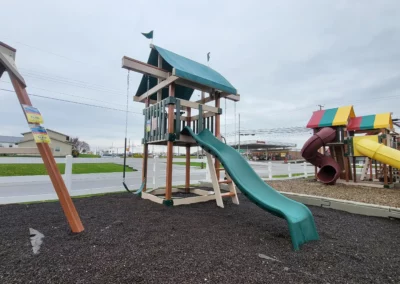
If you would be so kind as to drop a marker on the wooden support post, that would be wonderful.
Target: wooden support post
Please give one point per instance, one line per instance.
(354, 170)
(159, 93)
(376, 169)
(187, 177)
(214, 180)
(385, 175)
(145, 149)
(232, 189)
(385, 166)
(217, 129)
(170, 146)
(370, 170)
(390, 175)
(346, 168)
(315, 167)
(51, 167)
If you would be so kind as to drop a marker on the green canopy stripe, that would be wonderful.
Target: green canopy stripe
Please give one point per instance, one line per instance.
(328, 117)
(367, 122)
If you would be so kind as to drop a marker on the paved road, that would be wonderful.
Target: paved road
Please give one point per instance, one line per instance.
(133, 179)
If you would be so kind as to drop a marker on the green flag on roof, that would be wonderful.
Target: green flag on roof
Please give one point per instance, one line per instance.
(148, 35)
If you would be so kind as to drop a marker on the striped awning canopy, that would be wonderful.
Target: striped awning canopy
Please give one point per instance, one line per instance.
(369, 122)
(331, 117)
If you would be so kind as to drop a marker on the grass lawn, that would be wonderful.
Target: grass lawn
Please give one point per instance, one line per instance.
(180, 157)
(88, 156)
(192, 164)
(39, 169)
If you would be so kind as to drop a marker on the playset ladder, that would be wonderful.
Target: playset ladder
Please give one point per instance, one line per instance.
(232, 189)
(214, 180)
(364, 171)
(216, 184)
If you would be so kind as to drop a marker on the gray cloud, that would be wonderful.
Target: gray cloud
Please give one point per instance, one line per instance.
(283, 57)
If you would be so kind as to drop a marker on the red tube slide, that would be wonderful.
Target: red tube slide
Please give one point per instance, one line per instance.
(329, 169)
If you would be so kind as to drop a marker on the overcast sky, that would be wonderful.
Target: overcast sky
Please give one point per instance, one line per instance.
(284, 57)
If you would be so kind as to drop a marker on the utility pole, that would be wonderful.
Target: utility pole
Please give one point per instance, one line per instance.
(239, 135)
(320, 107)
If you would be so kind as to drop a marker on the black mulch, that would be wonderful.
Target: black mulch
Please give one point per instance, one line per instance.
(129, 240)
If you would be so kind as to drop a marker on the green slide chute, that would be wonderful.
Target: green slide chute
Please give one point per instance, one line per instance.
(300, 220)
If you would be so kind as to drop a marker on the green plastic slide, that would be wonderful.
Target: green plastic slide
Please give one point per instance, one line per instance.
(300, 220)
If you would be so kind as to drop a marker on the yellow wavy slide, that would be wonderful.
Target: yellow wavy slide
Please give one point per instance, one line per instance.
(374, 150)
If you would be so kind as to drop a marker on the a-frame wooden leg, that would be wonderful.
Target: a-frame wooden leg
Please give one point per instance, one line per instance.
(232, 189)
(214, 180)
(51, 167)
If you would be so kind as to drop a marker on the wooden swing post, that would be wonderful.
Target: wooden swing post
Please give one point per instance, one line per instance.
(7, 55)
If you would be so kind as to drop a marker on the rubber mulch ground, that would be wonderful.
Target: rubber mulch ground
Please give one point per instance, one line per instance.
(128, 240)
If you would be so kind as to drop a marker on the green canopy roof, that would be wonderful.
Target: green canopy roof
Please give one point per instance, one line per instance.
(184, 68)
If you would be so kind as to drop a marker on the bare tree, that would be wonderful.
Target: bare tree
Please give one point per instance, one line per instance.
(79, 145)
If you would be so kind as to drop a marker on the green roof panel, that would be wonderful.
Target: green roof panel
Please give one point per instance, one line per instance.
(184, 68)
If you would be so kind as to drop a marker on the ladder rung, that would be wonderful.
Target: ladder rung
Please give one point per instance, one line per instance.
(226, 181)
(228, 194)
(220, 169)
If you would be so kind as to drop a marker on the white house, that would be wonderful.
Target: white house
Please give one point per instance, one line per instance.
(60, 143)
(9, 141)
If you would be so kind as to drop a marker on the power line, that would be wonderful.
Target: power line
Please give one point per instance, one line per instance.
(57, 77)
(67, 94)
(56, 54)
(41, 77)
(74, 102)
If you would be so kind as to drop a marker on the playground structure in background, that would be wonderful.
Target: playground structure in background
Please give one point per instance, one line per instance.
(172, 119)
(345, 137)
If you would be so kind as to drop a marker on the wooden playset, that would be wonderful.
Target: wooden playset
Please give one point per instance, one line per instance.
(166, 88)
(347, 137)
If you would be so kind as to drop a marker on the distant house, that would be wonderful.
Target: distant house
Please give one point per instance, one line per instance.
(60, 143)
(9, 141)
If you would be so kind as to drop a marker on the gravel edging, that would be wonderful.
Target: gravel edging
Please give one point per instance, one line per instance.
(379, 196)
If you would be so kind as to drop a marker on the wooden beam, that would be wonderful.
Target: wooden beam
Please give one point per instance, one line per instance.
(187, 174)
(136, 99)
(195, 105)
(152, 197)
(217, 130)
(51, 166)
(7, 63)
(214, 180)
(144, 68)
(159, 93)
(231, 97)
(170, 146)
(206, 114)
(145, 157)
(158, 87)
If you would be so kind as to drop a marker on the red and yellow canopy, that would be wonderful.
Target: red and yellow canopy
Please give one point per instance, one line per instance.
(331, 117)
(368, 122)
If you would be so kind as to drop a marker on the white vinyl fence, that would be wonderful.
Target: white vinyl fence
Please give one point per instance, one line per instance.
(112, 182)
